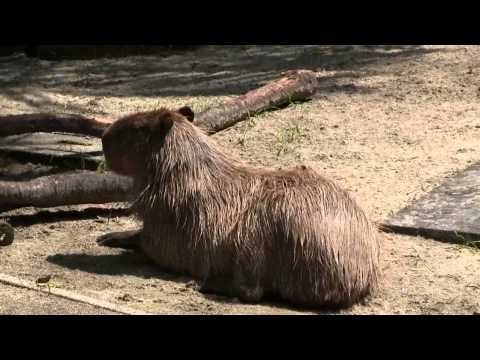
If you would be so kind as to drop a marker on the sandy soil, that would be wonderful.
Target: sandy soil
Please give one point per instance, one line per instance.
(389, 123)
(18, 301)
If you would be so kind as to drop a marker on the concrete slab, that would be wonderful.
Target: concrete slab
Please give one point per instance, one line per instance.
(73, 151)
(450, 212)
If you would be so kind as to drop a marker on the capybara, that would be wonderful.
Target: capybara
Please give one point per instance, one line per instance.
(239, 230)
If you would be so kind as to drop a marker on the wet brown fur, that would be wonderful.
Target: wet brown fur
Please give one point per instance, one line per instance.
(243, 231)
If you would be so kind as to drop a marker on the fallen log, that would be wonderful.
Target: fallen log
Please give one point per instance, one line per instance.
(68, 123)
(293, 86)
(65, 189)
(58, 190)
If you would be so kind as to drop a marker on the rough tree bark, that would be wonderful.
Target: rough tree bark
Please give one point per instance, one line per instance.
(65, 189)
(98, 188)
(69, 123)
(293, 86)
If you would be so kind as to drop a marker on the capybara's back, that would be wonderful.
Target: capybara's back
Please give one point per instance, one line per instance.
(324, 249)
(242, 231)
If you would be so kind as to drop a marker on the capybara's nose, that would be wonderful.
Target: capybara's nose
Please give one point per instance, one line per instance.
(106, 143)
(105, 135)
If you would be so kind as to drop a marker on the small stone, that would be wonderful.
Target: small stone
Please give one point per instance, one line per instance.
(125, 297)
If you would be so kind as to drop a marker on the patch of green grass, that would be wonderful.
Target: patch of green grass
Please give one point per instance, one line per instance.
(318, 51)
(248, 124)
(288, 136)
(102, 166)
(467, 240)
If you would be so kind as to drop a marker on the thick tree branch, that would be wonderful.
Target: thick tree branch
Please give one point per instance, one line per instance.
(294, 86)
(66, 189)
(69, 123)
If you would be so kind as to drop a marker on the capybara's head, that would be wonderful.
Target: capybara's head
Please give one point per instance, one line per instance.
(129, 141)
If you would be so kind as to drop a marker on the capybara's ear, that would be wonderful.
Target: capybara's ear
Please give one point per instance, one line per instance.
(163, 125)
(187, 112)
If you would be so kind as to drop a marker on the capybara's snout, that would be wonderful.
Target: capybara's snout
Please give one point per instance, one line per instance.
(108, 147)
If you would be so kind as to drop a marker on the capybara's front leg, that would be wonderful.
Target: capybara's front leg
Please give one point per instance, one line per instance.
(125, 240)
(242, 286)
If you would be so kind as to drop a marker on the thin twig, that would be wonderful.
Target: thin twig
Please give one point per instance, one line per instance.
(69, 295)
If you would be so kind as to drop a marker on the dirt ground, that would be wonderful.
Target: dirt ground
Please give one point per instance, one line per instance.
(389, 123)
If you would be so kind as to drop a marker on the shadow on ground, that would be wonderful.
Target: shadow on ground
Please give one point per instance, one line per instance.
(204, 71)
(49, 216)
(136, 264)
(125, 263)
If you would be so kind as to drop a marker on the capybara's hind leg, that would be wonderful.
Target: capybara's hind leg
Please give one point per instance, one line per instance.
(125, 240)
(225, 286)
(250, 294)
(244, 285)
(217, 284)
(247, 285)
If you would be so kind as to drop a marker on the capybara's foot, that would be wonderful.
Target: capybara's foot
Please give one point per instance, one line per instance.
(250, 294)
(123, 240)
(217, 285)
(194, 285)
(226, 286)
(247, 286)
(206, 287)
